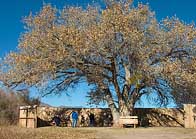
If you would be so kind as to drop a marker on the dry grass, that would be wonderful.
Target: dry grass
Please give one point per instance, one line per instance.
(45, 133)
(12, 132)
(149, 133)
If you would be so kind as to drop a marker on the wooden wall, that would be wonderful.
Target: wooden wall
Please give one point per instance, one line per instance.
(32, 117)
(103, 117)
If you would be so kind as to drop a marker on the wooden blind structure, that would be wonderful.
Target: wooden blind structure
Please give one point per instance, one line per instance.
(28, 116)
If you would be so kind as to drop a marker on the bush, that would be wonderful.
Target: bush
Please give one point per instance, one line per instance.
(9, 105)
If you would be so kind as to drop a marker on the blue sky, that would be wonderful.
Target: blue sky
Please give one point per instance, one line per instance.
(12, 11)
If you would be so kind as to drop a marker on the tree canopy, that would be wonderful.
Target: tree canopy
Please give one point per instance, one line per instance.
(122, 51)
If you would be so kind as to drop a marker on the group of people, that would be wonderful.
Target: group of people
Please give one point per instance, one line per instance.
(74, 115)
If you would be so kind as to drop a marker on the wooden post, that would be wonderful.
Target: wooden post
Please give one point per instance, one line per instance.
(189, 116)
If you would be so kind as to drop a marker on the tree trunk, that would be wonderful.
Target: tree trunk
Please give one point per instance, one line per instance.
(116, 117)
(113, 108)
(127, 103)
(124, 109)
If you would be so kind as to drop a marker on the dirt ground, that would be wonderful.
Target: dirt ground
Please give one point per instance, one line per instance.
(97, 133)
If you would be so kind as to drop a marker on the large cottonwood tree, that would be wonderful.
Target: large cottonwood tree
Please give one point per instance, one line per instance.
(122, 51)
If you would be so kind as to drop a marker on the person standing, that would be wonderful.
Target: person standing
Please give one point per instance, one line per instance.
(82, 121)
(92, 119)
(74, 118)
(57, 120)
